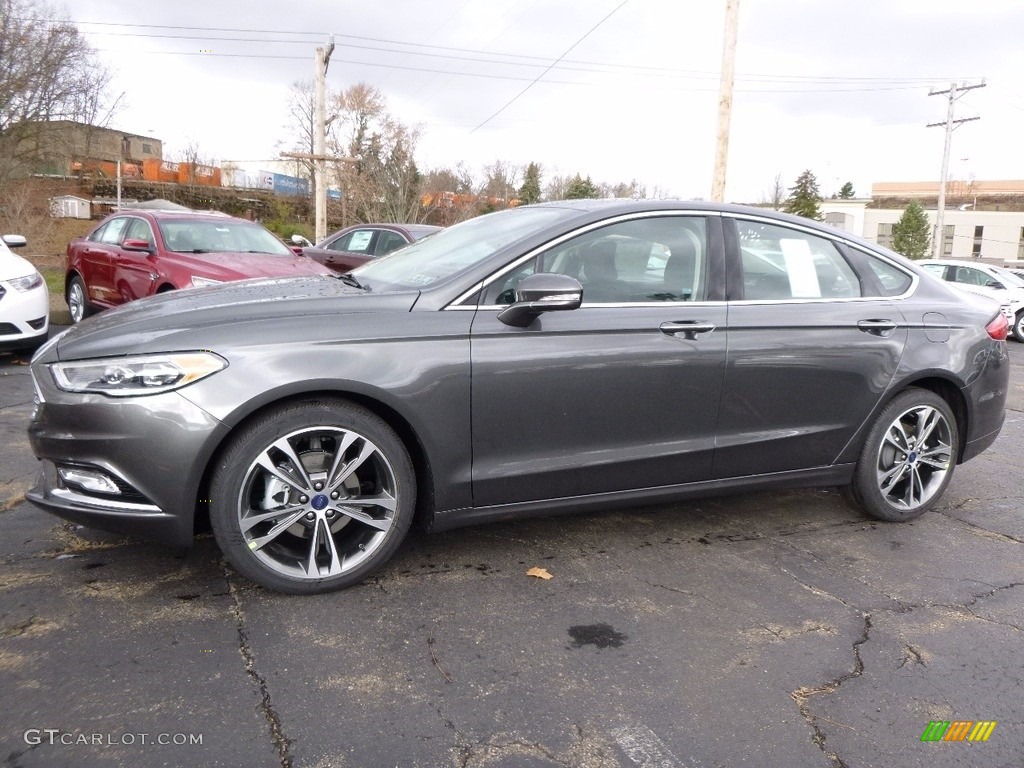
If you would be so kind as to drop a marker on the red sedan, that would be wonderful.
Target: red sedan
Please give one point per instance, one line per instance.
(133, 254)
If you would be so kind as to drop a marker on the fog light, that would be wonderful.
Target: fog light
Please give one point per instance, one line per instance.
(89, 480)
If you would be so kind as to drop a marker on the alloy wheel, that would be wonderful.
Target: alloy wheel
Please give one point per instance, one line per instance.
(914, 458)
(317, 503)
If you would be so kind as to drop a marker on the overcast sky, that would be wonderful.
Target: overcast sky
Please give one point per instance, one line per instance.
(837, 88)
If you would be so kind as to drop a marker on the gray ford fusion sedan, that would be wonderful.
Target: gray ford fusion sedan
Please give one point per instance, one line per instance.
(568, 356)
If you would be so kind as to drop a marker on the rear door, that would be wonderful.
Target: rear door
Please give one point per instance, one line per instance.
(620, 394)
(812, 348)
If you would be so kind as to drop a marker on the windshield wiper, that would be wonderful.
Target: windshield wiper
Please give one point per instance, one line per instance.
(349, 279)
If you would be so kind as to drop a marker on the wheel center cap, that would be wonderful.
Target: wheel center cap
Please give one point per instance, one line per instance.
(910, 460)
(319, 502)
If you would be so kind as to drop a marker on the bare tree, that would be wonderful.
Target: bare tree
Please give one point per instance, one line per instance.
(376, 168)
(500, 182)
(777, 195)
(47, 72)
(634, 190)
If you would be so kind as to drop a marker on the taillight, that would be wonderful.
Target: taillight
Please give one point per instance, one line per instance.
(998, 328)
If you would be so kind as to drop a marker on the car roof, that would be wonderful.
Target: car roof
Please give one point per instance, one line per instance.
(957, 262)
(171, 214)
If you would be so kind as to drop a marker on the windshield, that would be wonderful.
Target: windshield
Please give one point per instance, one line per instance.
(454, 249)
(1009, 279)
(220, 236)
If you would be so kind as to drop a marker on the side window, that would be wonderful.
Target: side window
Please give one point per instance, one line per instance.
(781, 263)
(112, 232)
(970, 276)
(939, 270)
(644, 260)
(355, 242)
(388, 241)
(895, 282)
(138, 229)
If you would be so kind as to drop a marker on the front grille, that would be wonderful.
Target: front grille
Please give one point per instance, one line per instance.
(38, 323)
(6, 329)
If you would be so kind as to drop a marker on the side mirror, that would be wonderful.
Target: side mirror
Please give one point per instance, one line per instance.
(15, 241)
(994, 284)
(137, 245)
(300, 241)
(543, 292)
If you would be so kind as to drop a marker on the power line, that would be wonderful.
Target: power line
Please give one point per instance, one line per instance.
(540, 60)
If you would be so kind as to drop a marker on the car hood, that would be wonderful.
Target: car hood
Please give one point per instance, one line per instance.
(140, 325)
(233, 266)
(12, 266)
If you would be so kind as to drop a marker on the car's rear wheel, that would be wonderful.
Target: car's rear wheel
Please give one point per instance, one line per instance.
(1018, 326)
(312, 496)
(908, 458)
(78, 304)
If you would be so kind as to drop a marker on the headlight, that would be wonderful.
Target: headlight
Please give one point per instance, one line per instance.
(131, 376)
(28, 282)
(199, 282)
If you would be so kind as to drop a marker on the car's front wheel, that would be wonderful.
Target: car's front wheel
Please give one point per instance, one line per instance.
(78, 305)
(312, 496)
(1018, 326)
(908, 458)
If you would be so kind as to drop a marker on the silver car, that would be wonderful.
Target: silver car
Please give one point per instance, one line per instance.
(556, 358)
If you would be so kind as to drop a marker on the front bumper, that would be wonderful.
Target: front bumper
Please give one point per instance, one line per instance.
(155, 449)
(24, 317)
(139, 519)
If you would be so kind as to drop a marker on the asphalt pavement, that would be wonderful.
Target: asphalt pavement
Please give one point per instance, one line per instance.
(773, 629)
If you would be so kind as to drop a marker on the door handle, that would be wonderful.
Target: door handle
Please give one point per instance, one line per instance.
(688, 328)
(877, 327)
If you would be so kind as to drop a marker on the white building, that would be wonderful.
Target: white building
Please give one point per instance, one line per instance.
(995, 236)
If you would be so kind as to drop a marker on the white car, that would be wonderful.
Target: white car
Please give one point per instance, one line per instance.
(24, 300)
(987, 280)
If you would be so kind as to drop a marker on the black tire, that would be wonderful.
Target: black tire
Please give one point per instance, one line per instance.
(78, 300)
(316, 543)
(895, 479)
(1018, 326)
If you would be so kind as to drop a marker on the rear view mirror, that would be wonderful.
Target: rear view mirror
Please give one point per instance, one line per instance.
(543, 292)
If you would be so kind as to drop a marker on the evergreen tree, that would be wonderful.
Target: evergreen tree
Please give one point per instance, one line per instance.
(910, 235)
(804, 197)
(530, 191)
(846, 191)
(581, 189)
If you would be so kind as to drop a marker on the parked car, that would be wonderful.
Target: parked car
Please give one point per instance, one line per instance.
(521, 363)
(138, 253)
(987, 280)
(24, 300)
(348, 248)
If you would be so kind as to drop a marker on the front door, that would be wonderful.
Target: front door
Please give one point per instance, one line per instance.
(620, 394)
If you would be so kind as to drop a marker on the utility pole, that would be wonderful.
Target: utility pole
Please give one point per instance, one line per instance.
(725, 99)
(939, 236)
(323, 58)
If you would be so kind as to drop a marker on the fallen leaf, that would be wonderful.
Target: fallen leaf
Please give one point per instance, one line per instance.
(539, 573)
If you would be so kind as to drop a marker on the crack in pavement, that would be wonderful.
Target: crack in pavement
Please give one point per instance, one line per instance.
(803, 694)
(281, 742)
(981, 530)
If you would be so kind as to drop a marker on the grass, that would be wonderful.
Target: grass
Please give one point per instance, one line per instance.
(54, 277)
